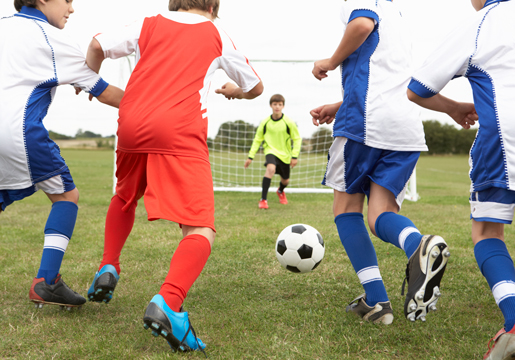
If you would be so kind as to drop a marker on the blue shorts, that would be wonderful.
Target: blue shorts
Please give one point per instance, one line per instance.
(58, 184)
(492, 205)
(351, 166)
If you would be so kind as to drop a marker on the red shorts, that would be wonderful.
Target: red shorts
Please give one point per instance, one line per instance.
(175, 188)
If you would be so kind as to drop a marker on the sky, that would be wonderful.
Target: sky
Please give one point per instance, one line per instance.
(269, 33)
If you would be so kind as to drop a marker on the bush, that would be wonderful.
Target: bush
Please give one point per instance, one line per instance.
(447, 139)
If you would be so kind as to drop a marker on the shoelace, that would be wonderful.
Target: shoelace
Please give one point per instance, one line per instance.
(183, 341)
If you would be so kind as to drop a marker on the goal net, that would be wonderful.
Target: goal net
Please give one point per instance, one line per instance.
(232, 126)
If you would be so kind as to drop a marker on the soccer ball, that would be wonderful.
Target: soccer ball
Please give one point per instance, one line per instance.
(299, 248)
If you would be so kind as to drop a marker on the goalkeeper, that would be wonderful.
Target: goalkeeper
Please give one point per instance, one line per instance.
(276, 132)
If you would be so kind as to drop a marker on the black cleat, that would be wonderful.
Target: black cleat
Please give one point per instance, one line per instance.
(56, 294)
(381, 313)
(424, 272)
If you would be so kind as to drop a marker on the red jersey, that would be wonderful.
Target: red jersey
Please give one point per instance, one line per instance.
(164, 107)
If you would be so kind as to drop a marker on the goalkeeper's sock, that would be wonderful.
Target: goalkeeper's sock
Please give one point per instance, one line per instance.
(266, 186)
(398, 230)
(118, 227)
(187, 263)
(281, 187)
(496, 265)
(58, 231)
(360, 250)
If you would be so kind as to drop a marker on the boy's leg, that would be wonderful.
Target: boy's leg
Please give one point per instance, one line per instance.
(130, 187)
(267, 180)
(358, 245)
(389, 226)
(427, 255)
(48, 286)
(280, 191)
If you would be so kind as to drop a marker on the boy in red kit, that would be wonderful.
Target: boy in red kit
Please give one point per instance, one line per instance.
(162, 152)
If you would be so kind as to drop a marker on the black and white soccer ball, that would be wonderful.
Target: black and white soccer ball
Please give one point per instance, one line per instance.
(299, 248)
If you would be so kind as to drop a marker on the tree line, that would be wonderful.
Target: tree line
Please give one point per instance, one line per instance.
(440, 138)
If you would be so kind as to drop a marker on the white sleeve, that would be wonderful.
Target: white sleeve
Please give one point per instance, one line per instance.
(237, 66)
(122, 42)
(359, 8)
(71, 67)
(450, 60)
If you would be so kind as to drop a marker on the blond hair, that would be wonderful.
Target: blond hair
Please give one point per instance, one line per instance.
(203, 5)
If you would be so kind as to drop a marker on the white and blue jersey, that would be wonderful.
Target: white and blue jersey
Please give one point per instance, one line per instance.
(35, 57)
(483, 50)
(376, 111)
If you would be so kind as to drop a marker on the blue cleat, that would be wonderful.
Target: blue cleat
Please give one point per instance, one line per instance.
(103, 285)
(175, 327)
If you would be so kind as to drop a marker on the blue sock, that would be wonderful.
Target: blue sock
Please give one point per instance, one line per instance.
(398, 230)
(496, 265)
(58, 231)
(360, 250)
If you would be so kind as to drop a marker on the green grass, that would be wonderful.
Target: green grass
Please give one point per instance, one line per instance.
(244, 305)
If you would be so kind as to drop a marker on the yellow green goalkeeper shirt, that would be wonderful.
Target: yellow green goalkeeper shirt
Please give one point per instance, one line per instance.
(277, 136)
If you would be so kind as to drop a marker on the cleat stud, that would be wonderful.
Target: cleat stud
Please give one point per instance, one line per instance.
(69, 308)
(36, 306)
(98, 291)
(146, 326)
(155, 333)
(164, 333)
(413, 307)
(437, 293)
(435, 254)
(155, 326)
(111, 292)
(423, 318)
(420, 297)
(432, 308)
(447, 254)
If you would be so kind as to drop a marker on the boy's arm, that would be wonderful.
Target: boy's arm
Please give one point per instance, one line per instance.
(258, 139)
(462, 113)
(325, 114)
(357, 31)
(297, 142)
(111, 96)
(232, 91)
(95, 55)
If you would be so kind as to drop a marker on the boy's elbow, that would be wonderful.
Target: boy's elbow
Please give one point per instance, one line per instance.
(95, 47)
(257, 90)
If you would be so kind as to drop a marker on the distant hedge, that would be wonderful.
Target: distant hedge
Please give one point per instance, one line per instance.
(447, 139)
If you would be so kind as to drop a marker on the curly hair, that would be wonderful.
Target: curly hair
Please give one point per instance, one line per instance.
(203, 5)
(19, 3)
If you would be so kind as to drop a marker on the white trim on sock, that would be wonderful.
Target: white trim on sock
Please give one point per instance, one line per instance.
(56, 242)
(369, 274)
(405, 233)
(503, 290)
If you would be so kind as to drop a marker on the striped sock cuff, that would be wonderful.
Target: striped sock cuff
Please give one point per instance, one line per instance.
(404, 235)
(503, 290)
(369, 274)
(56, 242)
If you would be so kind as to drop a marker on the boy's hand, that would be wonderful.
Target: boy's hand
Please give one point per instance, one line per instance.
(464, 114)
(78, 90)
(293, 163)
(247, 163)
(321, 68)
(230, 91)
(324, 114)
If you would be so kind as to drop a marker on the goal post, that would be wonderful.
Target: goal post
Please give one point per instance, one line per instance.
(229, 140)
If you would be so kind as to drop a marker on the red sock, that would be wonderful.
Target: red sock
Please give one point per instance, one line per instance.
(118, 227)
(187, 263)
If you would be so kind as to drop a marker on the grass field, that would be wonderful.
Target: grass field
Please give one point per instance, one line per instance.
(244, 305)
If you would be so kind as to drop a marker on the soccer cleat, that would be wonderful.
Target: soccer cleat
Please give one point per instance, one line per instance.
(381, 313)
(423, 273)
(503, 347)
(56, 294)
(263, 204)
(103, 285)
(175, 327)
(282, 197)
